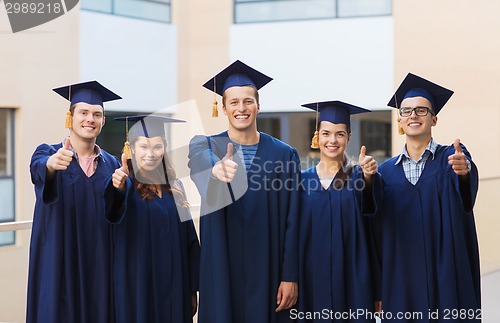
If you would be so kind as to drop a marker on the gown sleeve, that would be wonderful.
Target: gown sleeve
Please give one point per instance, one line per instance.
(115, 201)
(46, 189)
(290, 267)
(467, 184)
(192, 243)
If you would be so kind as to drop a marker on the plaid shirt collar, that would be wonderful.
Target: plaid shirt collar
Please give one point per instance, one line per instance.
(430, 149)
(97, 151)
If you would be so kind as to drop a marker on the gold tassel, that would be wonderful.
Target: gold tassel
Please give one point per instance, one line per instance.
(315, 140)
(69, 120)
(215, 111)
(400, 130)
(126, 147)
(126, 150)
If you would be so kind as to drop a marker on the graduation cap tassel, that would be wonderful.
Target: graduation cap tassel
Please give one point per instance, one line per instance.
(315, 138)
(69, 120)
(69, 117)
(400, 130)
(126, 146)
(215, 111)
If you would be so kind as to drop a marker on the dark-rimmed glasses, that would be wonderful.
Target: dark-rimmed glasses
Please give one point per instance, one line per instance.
(419, 111)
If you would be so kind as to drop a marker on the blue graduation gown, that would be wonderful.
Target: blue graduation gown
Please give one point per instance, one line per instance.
(335, 249)
(71, 246)
(249, 246)
(156, 264)
(428, 243)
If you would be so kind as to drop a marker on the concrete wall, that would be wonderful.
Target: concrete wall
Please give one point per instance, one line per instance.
(33, 62)
(454, 44)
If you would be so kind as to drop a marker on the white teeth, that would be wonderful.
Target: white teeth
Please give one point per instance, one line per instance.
(242, 117)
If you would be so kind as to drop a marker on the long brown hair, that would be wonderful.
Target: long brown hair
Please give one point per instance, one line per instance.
(165, 170)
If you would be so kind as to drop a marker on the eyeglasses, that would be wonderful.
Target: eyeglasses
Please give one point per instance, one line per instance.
(419, 111)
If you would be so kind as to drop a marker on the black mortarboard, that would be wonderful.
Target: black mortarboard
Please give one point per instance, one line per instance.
(413, 86)
(89, 92)
(236, 74)
(146, 126)
(337, 112)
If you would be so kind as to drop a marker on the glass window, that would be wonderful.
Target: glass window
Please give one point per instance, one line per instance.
(157, 10)
(356, 8)
(269, 125)
(282, 10)
(7, 198)
(261, 11)
(376, 136)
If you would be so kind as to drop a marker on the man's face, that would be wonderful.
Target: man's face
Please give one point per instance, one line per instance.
(241, 108)
(414, 125)
(88, 120)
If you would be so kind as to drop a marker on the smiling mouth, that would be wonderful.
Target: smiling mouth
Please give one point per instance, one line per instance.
(149, 161)
(242, 117)
(414, 124)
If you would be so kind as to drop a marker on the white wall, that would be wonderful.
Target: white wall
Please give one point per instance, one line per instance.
(349, 59)
(133, 57)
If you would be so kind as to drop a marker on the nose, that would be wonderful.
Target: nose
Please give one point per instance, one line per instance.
(90, 117)
(241, 107)
(150, 152)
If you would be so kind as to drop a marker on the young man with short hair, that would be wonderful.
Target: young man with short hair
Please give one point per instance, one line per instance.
(70, 253)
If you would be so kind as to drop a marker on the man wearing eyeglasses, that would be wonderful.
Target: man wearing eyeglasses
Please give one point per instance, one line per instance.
(427, 242)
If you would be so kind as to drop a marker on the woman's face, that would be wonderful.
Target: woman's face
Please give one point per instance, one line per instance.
(148, 153)
(333, 139)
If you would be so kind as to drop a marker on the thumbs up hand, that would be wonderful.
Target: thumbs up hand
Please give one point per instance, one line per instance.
(225, 169)
(367, 163)
(120, 175)
(61, 159)
(458, 161)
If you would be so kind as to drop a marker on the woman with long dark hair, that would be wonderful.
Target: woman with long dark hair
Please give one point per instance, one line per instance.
(156, 262)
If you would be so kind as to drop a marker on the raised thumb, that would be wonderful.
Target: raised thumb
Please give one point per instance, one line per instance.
(362, 153)
(67, 144)
(229, 154)
(458, 148)
(124, 163)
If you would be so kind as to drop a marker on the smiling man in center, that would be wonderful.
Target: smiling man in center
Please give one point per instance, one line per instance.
(248, 230)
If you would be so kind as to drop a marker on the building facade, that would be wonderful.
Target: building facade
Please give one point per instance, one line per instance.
(156, 55)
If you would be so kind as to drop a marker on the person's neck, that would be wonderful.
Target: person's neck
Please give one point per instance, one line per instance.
(84, 148)
(328, 167)
(415, 146)
(246, 137)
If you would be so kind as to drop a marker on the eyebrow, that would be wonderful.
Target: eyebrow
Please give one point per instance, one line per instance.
(419, 106)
